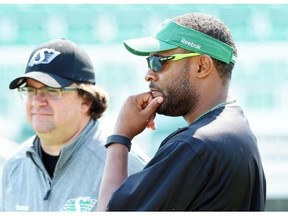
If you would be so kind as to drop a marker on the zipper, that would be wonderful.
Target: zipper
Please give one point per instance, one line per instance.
(47, 194)
(46, 197)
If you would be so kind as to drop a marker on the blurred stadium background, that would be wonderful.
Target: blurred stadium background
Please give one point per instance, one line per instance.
(260, 79)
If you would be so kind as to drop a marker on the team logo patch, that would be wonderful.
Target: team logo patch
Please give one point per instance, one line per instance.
(43, 56)
(79, 204)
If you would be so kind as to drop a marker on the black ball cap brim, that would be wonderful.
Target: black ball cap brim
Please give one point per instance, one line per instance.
(47, 79)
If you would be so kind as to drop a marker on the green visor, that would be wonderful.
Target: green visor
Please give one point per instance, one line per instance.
(170, 35)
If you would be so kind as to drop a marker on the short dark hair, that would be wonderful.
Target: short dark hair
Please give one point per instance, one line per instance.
(215, 28)
(96, 96)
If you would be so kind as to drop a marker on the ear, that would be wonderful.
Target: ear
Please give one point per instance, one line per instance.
(205, 66)
(85, 106)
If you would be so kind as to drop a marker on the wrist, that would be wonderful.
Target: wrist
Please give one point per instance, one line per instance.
(118, 139)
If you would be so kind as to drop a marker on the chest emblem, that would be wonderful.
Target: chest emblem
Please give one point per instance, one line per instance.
(79, 204)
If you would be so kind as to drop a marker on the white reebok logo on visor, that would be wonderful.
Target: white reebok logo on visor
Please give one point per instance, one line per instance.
(43, 56)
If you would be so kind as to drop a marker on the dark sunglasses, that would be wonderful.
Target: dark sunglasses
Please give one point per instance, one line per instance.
(156, 63)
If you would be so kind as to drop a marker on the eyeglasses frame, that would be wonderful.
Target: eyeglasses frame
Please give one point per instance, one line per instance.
(174, 57)
(63, 89)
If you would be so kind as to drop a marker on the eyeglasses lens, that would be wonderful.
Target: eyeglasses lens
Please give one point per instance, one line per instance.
(155, 63)
(29, 92)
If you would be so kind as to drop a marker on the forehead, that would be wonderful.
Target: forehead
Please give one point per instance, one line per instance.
(34, 83)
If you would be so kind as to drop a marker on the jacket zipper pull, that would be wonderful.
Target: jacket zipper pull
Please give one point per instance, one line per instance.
(47, 194)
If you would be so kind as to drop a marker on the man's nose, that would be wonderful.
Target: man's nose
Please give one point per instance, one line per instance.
(151, 75)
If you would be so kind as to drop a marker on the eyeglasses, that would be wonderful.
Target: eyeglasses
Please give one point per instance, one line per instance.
(156, 63)
(28, 92)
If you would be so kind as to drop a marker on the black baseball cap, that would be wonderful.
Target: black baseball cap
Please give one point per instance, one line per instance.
(57, 63)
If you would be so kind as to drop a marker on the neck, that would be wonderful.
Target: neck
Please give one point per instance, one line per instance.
(205, 105)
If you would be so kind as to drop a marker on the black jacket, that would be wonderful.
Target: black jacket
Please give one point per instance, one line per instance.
(211, 165)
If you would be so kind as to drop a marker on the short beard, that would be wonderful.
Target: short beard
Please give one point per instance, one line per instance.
(181, 97)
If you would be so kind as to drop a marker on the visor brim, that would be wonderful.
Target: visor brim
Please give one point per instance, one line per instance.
(145, 46)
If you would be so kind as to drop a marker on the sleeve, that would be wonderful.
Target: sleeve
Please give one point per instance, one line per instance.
(1, 190)
(170, 181)
(3, 184)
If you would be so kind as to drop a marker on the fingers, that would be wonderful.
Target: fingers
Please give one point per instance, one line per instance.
(151, 109)
(143, 99)
(151, 124)
(153, 105)
(147, 103)
(136, 114)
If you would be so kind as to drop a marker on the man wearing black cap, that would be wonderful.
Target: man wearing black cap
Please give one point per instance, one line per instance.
(212, 164)
(61, 169)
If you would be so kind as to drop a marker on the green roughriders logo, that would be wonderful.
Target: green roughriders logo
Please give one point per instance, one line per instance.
(79, 204)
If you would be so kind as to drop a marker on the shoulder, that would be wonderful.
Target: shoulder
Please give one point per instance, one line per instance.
(18, 156)
(228, 121)
(7, 147)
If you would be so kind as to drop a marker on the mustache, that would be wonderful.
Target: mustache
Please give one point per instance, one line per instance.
(153, 86)
(155, 90)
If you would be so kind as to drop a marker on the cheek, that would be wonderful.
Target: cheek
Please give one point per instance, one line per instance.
(70, 111)
(28, 108)
(168, 81)
(67, 110)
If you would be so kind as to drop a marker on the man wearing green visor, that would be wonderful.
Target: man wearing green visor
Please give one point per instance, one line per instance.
(213, 164)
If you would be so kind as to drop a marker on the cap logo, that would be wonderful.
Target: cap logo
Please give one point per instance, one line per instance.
(43, 56)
